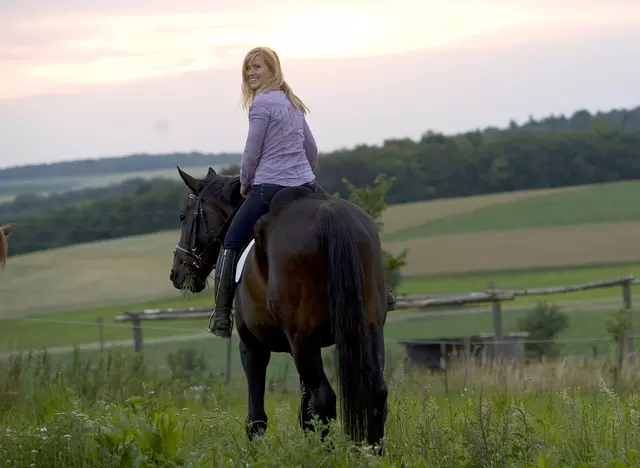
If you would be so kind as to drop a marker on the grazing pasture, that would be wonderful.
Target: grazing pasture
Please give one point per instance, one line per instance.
(572, 206)
(114, 409)
(135, 269)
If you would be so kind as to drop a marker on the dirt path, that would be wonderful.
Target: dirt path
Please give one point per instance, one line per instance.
(399, 316)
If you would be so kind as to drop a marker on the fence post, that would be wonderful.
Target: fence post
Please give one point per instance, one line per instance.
(101, 332)
(496, 308)
(137, 331)
(626, 298)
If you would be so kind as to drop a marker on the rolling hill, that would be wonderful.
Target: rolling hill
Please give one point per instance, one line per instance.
(134, 269)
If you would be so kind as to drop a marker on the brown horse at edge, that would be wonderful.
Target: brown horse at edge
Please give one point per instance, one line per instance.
(5, 230)
(314, 278)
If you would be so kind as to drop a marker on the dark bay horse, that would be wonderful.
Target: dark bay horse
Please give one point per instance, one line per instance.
(314, 278)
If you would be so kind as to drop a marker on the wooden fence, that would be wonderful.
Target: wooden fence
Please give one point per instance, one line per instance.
(492, 295)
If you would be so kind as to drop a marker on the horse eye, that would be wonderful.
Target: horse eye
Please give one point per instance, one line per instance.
(182, 217)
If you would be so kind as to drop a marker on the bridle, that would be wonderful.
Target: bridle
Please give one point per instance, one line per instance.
(191, 256)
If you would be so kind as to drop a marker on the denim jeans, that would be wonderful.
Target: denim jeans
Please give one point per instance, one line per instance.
(255, 205)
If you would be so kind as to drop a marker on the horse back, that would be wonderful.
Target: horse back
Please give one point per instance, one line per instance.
(290, 250)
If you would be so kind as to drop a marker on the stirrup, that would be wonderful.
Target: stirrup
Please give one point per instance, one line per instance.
(218, 331)
(391, 300)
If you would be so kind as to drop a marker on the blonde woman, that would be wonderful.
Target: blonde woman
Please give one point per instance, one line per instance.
(5, 230)
(280, 151)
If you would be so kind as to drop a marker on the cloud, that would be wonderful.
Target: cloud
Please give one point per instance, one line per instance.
(49, 46)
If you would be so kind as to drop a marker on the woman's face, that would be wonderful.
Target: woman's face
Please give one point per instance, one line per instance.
(257, 72)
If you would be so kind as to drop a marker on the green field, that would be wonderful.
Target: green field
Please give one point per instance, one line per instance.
(127, 271)
(75, 285)
(12, 188)
(174, 410)
(605, 203)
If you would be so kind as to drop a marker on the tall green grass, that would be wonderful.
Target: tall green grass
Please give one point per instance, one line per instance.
(119, 410)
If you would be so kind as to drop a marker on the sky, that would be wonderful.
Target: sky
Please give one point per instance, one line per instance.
(89, 79)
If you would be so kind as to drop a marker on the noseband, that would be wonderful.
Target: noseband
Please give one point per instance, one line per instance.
(190, 256)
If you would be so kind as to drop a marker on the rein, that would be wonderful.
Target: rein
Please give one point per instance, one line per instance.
(192, 256)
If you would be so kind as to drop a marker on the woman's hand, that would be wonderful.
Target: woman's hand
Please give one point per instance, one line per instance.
(244, 190)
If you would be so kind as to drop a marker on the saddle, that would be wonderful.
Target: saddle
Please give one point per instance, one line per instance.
(280, 200)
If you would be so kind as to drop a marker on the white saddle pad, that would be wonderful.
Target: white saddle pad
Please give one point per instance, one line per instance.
(243, 259)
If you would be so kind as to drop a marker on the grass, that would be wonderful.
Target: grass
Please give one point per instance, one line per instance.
(587, 314)
(135, 269)
(399, 218)
(122, 272)
(12, 188)
(100, 274)
(603, 203)
(123, 410)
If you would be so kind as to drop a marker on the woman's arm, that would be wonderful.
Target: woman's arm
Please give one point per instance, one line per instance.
(258, 120)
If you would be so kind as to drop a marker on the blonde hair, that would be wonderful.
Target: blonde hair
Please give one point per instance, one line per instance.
(276, 82)
(4, 249)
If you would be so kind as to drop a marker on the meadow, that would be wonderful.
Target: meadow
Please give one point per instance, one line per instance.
(584, 205)
(116, 409)
(169, 405)
(135, 269)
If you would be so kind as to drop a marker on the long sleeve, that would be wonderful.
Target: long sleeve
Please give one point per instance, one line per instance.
(310, 147)
(258, 121)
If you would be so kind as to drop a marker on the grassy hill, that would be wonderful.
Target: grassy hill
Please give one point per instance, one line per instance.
(131, 270)
(591, 204)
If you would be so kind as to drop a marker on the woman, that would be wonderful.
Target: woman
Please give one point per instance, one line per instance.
(280, 151)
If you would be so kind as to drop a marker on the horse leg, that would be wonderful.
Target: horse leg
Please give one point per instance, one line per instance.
(255, 359)
(318, 398)
(379, 391)
(305, 415)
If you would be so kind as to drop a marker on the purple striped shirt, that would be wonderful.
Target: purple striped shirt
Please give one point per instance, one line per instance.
(280, 147)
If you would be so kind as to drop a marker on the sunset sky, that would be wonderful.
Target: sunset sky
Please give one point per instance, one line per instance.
(84, 79)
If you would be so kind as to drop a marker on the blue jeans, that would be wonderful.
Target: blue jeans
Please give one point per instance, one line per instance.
(255, 205)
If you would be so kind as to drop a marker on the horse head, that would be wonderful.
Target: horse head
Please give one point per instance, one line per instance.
(203, 217)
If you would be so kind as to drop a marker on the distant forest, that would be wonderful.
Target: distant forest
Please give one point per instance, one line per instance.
(132, 163)
(553, 152)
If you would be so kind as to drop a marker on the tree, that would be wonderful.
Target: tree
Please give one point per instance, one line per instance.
(618, 324)
(372, 199)
(543, 324)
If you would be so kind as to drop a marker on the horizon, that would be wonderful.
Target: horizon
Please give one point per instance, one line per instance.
(92, 81)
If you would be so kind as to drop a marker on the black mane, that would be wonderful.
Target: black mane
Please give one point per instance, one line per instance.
(224, 188)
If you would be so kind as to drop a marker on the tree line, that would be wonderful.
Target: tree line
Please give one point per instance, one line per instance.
(435, 166)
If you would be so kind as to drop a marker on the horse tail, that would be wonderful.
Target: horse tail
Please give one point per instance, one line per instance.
(346, 292)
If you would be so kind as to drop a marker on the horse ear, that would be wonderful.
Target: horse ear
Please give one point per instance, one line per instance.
(190, 181)
(211, 171)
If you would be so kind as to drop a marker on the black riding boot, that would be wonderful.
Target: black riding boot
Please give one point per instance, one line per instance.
(221, 316)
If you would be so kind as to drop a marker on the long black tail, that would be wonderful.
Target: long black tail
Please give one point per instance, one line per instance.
(346, 290)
